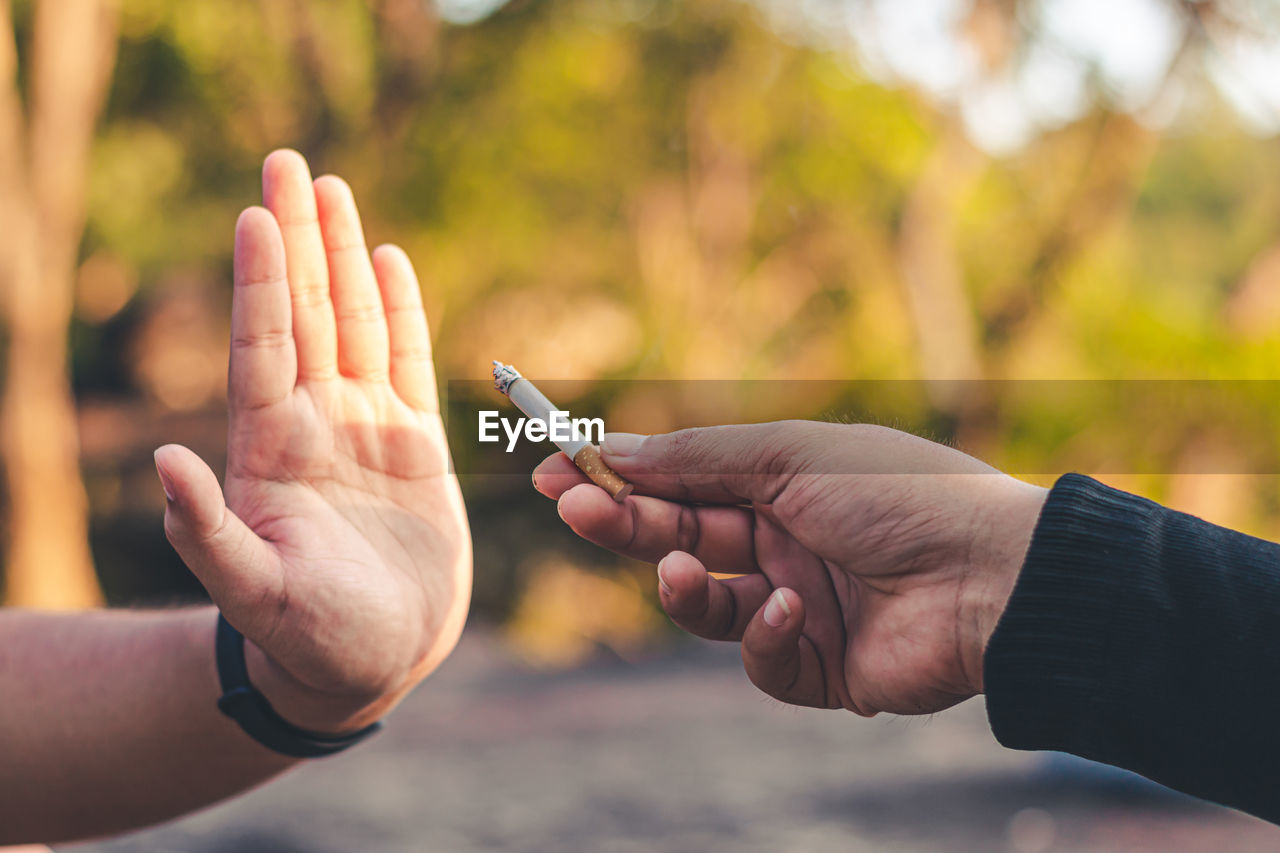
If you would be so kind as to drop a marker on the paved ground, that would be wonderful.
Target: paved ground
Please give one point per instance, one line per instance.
(681, 754)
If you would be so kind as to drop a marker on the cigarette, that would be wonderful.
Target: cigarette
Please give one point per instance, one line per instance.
(584, 454)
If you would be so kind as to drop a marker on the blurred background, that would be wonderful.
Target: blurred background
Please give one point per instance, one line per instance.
(600, 191)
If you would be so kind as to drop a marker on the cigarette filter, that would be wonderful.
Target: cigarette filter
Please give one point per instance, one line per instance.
(584, 454)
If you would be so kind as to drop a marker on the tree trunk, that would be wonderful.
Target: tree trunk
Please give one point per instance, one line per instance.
(42, 192)
(946, 330)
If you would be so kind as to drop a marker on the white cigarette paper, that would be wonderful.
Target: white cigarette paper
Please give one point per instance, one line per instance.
(528, 399)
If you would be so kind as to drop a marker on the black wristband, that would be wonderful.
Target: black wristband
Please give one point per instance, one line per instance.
(250, 709)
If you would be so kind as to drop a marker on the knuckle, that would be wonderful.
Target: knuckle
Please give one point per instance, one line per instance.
(685, 448)
(291, 222)
(321, 372)
(788, 445)
(266, 339)
(688, 530)
(249, 281)
(338, 249)
(410, 309)
(361, 312)
(412, 352)
(728, 618)
(636, 526)
(215, 532)
(802, 494)
(311, 294)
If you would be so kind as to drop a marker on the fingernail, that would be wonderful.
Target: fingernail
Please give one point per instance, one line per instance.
(776, 610)
(560, 512)
(662, 576)
(621, 443)
(165, 482)
(535, 479)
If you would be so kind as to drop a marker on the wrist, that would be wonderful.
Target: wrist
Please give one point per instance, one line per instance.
(315, 711)
(999, 543)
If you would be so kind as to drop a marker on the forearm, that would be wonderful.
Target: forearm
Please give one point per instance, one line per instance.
(1147, 639)
(110, 723)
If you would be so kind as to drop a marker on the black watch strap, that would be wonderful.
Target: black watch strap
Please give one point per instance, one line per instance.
(243, 703)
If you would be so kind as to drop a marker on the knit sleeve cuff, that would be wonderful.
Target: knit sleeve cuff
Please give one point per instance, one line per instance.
(1046, 665)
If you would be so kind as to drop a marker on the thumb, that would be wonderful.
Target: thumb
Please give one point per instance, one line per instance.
(720, 464)
(237, 568)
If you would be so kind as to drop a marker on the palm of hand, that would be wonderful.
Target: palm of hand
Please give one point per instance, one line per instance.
(342, 549)
(351, 489)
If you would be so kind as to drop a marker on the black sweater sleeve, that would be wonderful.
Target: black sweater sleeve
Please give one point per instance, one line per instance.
(1147, 639)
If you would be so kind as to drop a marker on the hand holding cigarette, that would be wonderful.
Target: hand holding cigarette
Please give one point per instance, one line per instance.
(872, 565)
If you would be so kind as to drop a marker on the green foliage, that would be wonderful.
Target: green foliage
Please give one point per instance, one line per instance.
(704, 197)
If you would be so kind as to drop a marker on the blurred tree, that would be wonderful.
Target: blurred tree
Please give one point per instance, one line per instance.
(660, 189)
(44, 158)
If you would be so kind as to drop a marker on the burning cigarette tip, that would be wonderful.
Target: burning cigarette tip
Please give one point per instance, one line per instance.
(504, 375)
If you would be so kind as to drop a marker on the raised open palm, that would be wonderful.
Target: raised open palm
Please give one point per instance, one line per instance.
(341, 550)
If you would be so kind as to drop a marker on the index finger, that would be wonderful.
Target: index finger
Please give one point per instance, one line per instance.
(756, 463)
(739, 463)
(264, 362)
(645, 528)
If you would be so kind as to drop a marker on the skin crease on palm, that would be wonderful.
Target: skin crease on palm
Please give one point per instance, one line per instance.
(870, 566)
(341, 550)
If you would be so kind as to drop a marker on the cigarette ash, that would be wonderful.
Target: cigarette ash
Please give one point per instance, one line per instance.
(504, 376)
